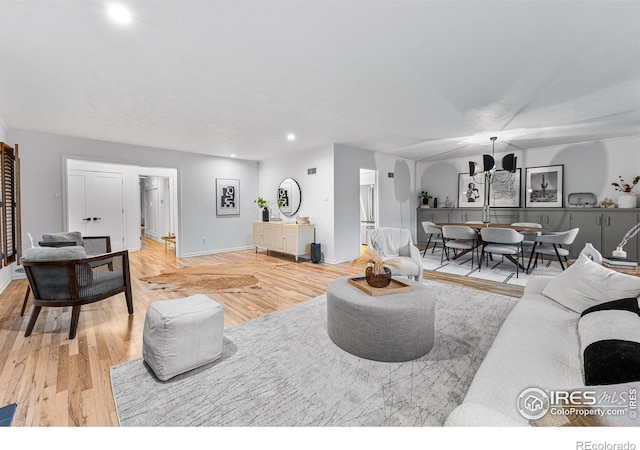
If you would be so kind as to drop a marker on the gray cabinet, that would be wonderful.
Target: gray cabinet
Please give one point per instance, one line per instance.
(615, 225)
(590, 224)
(505, 216)
(605, 230)
(550, 219)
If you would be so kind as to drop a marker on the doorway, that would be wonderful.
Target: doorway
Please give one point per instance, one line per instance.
(106, 199)
(156, 212)
(368, 203)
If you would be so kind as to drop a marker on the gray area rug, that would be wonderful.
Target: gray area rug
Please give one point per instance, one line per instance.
(283, 370)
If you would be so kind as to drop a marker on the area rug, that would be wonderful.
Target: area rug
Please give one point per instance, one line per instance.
(211, 278)
(499, 270)
(282, 369)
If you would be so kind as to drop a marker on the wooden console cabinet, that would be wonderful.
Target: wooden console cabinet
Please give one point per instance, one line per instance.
(289, 238)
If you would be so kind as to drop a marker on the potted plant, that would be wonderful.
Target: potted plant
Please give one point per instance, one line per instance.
(425, 198)
(263, 204)
(627, 197)
(377, 270)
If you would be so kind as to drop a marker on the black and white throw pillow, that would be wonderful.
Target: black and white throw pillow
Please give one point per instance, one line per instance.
(610, 342)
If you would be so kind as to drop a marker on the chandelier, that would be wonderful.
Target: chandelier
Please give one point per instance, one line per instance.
(492, 174)
(508, 163)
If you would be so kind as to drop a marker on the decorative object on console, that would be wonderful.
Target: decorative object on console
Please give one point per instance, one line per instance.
(227, 197)
(262, 204)
(424, 195)
(627, 197)
(606, 203)
(374, 262)
(592, 253)
(581, 200)
(544, 187)
(618, 252)
(302, 220)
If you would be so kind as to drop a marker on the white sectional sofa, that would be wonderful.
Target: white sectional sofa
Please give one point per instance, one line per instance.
(538, 344)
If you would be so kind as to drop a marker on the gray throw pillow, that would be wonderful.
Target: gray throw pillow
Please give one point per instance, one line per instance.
(74, 236)
(84, 274)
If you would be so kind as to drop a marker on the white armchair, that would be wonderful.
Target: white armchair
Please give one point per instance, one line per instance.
(396, 243)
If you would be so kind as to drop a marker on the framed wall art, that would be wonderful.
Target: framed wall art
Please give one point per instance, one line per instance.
(544, 187)
(504, 191)
(227, 197)
(470, 192)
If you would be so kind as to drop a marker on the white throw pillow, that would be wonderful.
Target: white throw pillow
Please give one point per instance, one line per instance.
(587, 283)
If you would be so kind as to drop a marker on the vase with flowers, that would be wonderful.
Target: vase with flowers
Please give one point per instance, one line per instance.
(424, 195)
(377, 270)
(627, 197)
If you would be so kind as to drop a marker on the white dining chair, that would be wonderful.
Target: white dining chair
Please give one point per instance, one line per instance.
(459, 237)
(502, 241)
(432, 230)
(552, 245)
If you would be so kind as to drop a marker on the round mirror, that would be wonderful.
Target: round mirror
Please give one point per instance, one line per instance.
(290, 196)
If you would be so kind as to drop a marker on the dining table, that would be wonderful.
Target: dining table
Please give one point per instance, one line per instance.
(479, 226)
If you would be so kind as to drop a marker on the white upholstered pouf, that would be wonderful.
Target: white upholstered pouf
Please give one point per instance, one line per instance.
(182, 334)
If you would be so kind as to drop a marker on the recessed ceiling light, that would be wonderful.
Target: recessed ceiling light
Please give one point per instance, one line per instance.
(291, 137)
(119, 13)
(233, 155)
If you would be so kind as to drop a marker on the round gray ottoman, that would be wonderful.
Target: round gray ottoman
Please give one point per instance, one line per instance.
(392, 327)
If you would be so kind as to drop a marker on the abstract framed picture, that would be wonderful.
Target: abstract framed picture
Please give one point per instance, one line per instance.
(504, 191)
(544, 187)
(470, 192)
(227, 197)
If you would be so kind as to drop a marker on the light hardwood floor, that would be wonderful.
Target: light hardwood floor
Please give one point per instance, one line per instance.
(60, 382)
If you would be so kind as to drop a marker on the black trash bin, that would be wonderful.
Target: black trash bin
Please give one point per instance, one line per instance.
(316, 253)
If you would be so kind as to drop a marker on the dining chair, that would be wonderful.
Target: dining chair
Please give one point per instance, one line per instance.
(552, 245)
(529, 236)
(459, 237)
(431, 229)
(502, 241)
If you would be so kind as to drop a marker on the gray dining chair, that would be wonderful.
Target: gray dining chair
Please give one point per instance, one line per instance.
(432, 230)
(505, 242)
(552, 245)
(458, 237)
(529, 236)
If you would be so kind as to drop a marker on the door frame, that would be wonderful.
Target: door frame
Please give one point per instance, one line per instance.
(170, 172)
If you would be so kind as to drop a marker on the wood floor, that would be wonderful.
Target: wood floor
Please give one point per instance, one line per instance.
(60, 382)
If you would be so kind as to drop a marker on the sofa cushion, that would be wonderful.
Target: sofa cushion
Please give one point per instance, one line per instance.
(610, 342)
(587, 283)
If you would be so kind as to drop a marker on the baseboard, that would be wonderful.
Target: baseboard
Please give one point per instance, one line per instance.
(213, 252)
(4, 285)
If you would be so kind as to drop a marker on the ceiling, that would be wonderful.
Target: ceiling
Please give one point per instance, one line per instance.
(421, 80)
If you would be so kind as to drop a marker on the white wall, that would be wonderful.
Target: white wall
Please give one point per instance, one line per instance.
(331, 197)
(397, 198)
(199, 230)
(588, 167)
(317, 190)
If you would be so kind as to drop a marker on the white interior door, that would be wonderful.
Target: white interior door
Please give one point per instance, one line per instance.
(96, 205)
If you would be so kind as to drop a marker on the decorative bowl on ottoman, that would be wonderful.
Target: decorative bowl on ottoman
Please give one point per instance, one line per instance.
(381, 280)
